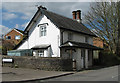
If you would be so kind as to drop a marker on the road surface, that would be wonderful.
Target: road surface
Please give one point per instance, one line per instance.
(104, 74)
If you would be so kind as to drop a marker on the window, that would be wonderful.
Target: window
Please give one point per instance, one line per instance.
(86, 39)
(41, 53)
(8, 37)
(43, 30)
(17, 37)
(70, 35)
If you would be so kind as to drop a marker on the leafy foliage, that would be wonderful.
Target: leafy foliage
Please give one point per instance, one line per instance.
(6, 46)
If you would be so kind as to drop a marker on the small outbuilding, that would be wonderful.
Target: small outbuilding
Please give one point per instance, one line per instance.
(22, 52)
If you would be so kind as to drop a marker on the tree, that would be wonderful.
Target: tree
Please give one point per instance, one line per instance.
(6, 46)
(118, 46)
(103, 18)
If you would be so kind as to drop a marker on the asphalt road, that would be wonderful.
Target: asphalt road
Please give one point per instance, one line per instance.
(104, 74)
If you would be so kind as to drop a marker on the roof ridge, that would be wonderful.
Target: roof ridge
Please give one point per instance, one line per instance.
(63, 16)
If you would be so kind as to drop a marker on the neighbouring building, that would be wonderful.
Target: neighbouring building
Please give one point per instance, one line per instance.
(98, 42)
(14, 36)
(53, 35)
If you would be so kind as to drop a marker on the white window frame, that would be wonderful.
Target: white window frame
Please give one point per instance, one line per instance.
(41, 53)
(43, 30)
(17, 36)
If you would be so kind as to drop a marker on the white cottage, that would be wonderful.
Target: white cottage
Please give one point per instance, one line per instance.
(52, 35)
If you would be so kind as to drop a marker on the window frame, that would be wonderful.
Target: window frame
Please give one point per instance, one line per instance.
(43, 30)
(70, 36)
(7, 37)
(86, 39)
(41, 53)
(16, 36)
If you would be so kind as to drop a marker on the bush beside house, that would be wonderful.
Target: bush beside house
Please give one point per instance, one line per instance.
(108, 59)
(6, 46)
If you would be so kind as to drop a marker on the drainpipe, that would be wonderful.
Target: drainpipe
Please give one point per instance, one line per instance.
(61, 38)
(28, 38)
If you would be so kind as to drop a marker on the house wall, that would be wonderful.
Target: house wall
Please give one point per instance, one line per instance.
(77, 37)
(90, 60)
(24, 45)
(75, 56)
(81, 59)
(52, 38)
(13, 33)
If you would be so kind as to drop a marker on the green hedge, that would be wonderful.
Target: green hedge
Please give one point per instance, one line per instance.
(108, 59)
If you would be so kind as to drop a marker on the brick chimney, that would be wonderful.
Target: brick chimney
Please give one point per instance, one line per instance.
(77, 15)
(74, 14)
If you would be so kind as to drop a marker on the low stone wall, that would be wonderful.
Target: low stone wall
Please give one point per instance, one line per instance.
(54, 64)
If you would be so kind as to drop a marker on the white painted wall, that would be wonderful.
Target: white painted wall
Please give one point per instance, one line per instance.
(77, 56)
(86, 58)
(52, 38)
(77, 37)
(24, 45)
(90, 58)
(90, 40)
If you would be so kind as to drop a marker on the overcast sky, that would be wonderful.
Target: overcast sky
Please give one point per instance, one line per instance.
(18, 14)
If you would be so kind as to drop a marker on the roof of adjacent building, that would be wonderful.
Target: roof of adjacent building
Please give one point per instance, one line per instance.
(17, 30)
(20, 30)
(62, 22)
(79, 45)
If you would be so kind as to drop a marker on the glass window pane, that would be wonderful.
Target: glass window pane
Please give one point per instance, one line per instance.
(8, 37)
(43, 30)
(17, 37)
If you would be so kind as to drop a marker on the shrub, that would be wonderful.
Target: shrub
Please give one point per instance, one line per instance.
(108, 59)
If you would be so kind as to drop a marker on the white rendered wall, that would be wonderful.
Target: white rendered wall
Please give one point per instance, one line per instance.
(77, 58)
(86, 58)
(90, 40)
(77, 37)
(24, 45)
(90, 58)
(52, 38)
